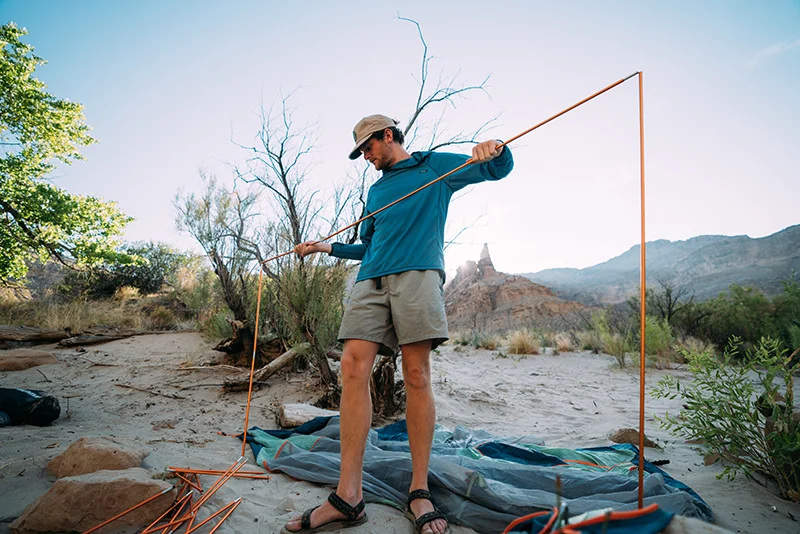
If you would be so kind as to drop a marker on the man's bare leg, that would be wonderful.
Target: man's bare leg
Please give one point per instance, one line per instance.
(420, 419)
(355, 418)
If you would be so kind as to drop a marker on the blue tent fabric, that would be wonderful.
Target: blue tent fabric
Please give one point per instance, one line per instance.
(648, 523)
(479, 480)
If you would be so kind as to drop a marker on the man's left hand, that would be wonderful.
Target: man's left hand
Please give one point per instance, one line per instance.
(486, 151)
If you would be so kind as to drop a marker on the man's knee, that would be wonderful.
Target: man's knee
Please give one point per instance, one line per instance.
(417, 376)
(355, 367)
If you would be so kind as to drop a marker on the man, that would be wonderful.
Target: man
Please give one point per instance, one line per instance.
(397, 300)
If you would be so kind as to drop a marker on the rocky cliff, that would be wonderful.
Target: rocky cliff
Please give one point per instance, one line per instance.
(482, 299)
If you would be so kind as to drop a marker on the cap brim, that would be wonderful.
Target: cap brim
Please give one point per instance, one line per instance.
(356, 152)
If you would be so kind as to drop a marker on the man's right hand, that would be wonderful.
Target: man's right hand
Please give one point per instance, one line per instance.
(311, 247)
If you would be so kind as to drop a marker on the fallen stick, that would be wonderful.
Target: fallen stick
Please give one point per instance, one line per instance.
(98, 363)
(210, 368)
(168, 395)
(195, 386)
(284, 360)
(90, 339)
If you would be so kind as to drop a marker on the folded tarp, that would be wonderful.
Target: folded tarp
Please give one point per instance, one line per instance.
(479, 480)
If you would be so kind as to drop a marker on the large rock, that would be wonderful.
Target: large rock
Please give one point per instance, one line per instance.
(88, 455)
(82, 502)
(481, 299)
(20, 359)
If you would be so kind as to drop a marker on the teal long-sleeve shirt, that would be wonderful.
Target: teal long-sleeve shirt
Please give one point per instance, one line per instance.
(409, 236)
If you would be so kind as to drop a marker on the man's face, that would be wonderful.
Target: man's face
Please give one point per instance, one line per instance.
(377, 152)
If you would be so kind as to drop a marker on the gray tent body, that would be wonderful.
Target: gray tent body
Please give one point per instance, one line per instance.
(476, 491)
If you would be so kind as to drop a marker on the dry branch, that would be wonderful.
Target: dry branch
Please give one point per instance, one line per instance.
(282, 361)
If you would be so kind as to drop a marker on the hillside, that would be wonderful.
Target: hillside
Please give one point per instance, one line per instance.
(705, 265)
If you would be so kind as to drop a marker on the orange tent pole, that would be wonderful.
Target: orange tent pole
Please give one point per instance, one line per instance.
(642, 298)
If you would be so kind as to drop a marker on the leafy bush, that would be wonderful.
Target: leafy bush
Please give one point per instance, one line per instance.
(524, 342)
(305, 303)
(740, 413)
(590, 340)
(618, 346)
(659, 341)
(156, 265)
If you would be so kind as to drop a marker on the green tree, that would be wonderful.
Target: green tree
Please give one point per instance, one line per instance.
(37, 129)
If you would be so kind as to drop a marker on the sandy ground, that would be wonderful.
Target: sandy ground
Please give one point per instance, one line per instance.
(571, 400)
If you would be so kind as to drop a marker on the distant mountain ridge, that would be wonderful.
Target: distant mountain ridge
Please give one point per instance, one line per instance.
(704, 265)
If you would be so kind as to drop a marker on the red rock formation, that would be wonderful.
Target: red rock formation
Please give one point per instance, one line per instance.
(482, 299)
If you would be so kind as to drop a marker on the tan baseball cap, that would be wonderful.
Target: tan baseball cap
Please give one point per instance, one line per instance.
(366, 127)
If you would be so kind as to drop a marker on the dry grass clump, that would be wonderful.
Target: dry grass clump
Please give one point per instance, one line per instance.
(523, 342)
(78, 315)
(460, 338)
(590, 340)
(485, 341)
(126, 293)
(563, 342)
(695, 346)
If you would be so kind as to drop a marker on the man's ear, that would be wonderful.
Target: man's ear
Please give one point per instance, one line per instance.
(388, 135)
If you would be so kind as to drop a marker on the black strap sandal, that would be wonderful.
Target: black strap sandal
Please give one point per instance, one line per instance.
(424, 519)
(351, 514)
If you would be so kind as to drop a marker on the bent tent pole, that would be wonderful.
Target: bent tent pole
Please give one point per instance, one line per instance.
(470, 162)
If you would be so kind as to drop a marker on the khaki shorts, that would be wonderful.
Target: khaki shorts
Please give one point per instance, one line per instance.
(408, 307)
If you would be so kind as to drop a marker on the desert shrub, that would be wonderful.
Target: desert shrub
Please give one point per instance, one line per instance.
(523, 342)
(563, 342)
(482, 340)
(590, 340)
(618, 346)
(304, 304)
(126, 293)
(215, 324)
(741, 413)
(548, 338)
(460, 338)
(691, 345)
(744, 312)
(659, 341)
(161, 318)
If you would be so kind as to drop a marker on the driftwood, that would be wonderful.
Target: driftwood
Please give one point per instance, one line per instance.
(30, 335)
(294, 415)
(91, 339)
(284, 360)
(239, 348)
(388, 395)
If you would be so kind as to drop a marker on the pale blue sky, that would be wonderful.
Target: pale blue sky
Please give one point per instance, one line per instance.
(166, 84)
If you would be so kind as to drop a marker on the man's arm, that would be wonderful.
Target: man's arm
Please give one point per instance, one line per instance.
(490, 163)
(340, 250)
